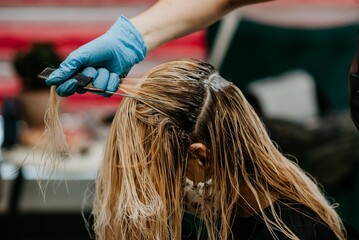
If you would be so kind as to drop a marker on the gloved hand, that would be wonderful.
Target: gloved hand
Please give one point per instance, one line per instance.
(121, 47)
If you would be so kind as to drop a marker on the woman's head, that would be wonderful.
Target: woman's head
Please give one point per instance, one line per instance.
(200, 134)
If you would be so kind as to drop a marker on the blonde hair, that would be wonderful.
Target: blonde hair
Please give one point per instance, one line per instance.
(53, 140)
(139, 185)
(139, 191)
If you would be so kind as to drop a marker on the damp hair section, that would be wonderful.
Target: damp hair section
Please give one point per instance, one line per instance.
(57, 148)
(52, 145)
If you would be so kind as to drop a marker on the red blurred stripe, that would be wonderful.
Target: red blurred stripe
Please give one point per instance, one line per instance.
(10, 86)
(67, 37)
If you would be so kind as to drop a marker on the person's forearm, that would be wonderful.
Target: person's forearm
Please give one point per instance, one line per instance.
(171, 19)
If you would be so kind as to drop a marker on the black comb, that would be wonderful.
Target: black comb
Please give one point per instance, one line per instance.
(83, 80)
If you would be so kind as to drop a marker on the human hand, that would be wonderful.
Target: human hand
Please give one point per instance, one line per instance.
(102, 79)
(121, 47)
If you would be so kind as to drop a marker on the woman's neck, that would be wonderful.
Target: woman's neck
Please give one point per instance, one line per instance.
(248, 205)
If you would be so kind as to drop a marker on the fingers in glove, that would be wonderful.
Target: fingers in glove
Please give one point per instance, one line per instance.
(88, 72)
(102, 80)
(67, 88)
(66, 69)
(113, 82)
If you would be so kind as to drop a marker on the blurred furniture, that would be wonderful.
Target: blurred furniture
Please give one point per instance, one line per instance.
(259, 50)
(55, 210)
(290, 96)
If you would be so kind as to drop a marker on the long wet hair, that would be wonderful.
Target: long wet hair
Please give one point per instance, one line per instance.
(140, 181)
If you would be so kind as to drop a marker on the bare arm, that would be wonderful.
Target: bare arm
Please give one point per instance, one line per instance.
(127, 42)
(171, 19)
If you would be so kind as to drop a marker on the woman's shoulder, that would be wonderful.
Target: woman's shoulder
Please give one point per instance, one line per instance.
(301, 220)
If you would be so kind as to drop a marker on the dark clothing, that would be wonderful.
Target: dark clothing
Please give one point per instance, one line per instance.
(301, 221)
(354, 88)
(354, 98)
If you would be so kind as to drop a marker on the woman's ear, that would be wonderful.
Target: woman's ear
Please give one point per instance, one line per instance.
(199, 150)
(196, 164)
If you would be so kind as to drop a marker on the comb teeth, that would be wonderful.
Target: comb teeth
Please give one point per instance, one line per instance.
(45, 73)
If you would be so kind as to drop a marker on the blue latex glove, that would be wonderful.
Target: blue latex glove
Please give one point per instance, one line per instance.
(121, 47)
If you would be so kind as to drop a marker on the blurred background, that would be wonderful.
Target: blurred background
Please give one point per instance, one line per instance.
(291, 58)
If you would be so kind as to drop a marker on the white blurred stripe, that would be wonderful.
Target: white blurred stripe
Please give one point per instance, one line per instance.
(66, 14)
(6, 69)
